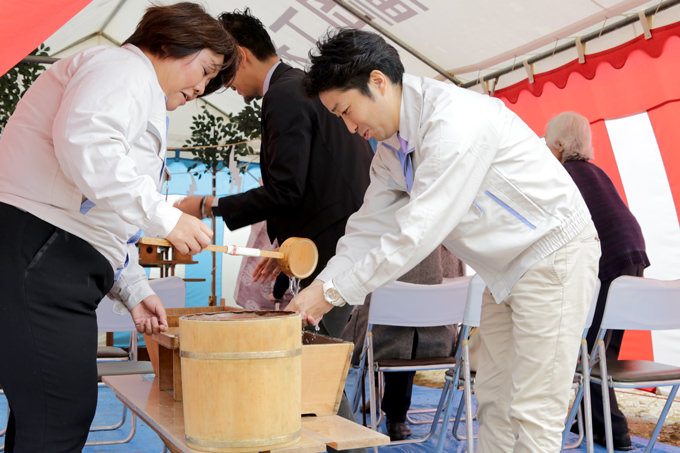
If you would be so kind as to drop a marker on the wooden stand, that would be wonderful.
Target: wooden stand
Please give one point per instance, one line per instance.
(166, 417)
(165, 258)
(325, 363)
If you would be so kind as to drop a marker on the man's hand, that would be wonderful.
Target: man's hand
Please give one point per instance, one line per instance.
(311, 304)
(149, 316)
(190, 235)
(266, 268)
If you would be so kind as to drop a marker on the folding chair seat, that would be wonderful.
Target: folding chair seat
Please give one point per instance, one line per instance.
(637, 303)
(411, 305)
(110, 318)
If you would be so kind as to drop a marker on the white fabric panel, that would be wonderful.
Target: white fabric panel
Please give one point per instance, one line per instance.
(648, 192)
(666, 346)
(231, 264)
(651, 201)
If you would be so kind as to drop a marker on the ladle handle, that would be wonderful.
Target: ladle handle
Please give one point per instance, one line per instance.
(229, 249)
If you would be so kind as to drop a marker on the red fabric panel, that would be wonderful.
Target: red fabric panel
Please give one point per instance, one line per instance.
(615, 57)
(25, 25)
(604, 155)
(637, 345)
(635, 77)
(664, 121)
(646, 80)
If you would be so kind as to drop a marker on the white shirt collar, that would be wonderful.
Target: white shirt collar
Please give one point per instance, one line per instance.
(411, 105)
(268, 79)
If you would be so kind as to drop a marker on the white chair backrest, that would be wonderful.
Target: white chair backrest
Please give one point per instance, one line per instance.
(473, 305)
(114, 317)
(413, 305)
(640, 303)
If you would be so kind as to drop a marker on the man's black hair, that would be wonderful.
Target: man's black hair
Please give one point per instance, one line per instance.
(345, 58)
(249, 32)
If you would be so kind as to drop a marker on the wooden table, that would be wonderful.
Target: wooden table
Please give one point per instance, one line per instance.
(165, 416)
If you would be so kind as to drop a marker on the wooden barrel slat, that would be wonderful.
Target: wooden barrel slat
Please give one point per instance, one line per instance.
(241, 379)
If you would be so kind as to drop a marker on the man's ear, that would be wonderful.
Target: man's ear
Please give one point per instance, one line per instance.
(379, 80)
(246, 55)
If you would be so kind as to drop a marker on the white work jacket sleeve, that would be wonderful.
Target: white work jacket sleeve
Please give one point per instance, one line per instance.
(390, 234)
(103, 110)
(132, 285)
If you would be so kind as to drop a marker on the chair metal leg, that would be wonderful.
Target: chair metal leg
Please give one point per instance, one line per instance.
(572, 416)
(588, 416)
(120, 423)
(371, 382)
(606, 408)
(662, 418)
(468, 397)
(133, 430)
(582, 394)
(449, 405)
(4, 430)
(459, 417)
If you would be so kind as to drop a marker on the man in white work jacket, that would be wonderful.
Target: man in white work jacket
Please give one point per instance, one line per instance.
(459, 168)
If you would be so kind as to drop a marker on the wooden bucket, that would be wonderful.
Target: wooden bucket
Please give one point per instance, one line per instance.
(241, 379)
(300, 257)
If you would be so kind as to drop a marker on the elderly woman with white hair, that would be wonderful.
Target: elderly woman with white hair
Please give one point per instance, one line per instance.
(623, 248)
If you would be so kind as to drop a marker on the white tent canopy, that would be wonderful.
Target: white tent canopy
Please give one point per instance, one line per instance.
(464, 40)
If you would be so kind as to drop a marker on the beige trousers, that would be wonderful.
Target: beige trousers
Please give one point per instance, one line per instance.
(529, 346)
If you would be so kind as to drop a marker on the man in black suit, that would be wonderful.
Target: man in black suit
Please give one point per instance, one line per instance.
(314, 171)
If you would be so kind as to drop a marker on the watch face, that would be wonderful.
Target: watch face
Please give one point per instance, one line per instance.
(332, 295)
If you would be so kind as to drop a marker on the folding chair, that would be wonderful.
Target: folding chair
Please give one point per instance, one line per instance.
(637, 303)
(411, 305)
(471, 317)
(110, 318)
(581, 382)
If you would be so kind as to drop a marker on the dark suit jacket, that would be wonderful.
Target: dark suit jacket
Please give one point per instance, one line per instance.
(314, 171)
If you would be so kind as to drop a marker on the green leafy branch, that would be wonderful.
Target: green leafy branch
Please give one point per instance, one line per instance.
(208, 131)
(15, 82)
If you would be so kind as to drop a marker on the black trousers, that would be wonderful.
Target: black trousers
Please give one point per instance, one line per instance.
(50, 284)
(397, 397)
(612, 342)
(398, 390)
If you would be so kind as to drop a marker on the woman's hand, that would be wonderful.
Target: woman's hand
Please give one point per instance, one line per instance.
(190, 235)
(149, 316)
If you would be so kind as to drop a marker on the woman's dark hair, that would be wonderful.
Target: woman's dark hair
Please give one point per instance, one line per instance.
(345, 59)
(249, 32)
(182, 29)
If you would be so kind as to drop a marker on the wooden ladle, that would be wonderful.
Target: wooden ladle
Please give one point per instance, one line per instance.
(297, 257)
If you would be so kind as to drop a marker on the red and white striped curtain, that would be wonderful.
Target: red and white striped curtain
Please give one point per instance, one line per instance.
(631, 96)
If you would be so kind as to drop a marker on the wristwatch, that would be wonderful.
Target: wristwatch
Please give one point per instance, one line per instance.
(332, 295)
